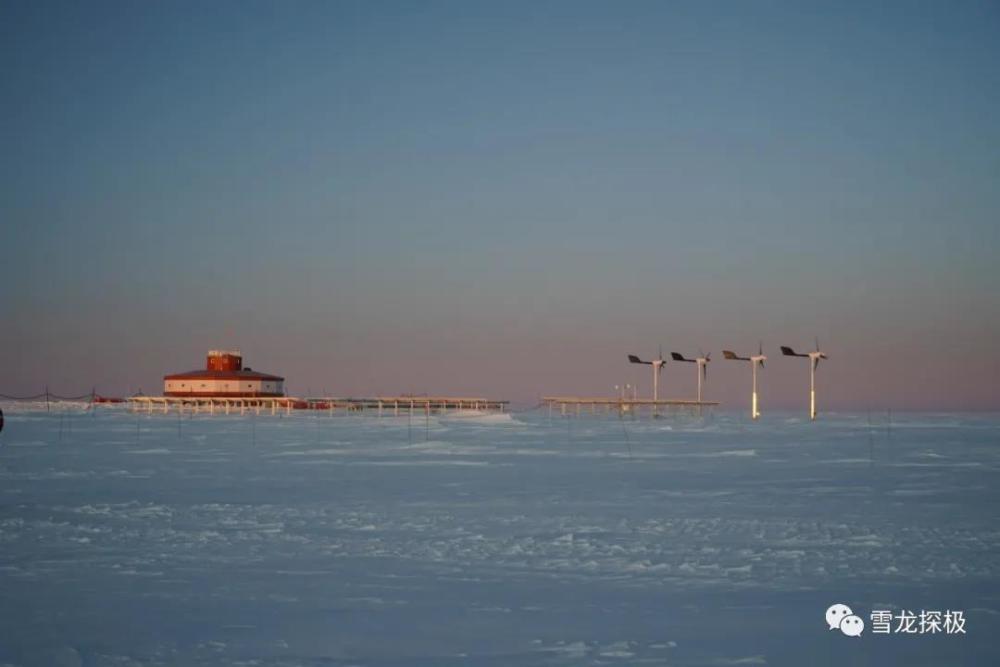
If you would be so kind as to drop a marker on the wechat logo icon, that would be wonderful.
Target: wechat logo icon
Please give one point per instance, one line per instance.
(840, 616)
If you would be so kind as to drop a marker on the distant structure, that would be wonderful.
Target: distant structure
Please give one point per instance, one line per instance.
(657, 365)
(223, 377)
(701, 361)
(755, 360)
(814, 358)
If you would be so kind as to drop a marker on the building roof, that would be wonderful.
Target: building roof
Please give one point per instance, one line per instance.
(245, 374)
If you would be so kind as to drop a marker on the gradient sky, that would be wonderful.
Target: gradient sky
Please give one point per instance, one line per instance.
(503, 198)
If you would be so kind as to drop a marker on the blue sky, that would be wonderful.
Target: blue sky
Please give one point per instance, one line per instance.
(503, 198)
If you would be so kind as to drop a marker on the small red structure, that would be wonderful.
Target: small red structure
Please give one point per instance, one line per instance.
(223, 377)
(224, 360)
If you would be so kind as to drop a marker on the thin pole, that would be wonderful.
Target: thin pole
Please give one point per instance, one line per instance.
(812, 389)
(698, 366)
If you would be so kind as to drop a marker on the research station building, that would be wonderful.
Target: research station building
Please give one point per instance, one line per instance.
(224, 377)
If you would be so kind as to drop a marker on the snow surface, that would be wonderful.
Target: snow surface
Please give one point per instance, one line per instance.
(472, 539)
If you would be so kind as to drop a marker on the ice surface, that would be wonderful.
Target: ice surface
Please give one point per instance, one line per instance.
(473, 539)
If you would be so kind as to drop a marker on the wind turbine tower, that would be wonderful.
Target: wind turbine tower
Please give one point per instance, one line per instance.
(814, 358)
(755, 360)
(702, 363)
(657, 365)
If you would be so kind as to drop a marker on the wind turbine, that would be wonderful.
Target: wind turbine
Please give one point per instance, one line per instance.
(755, 360)
(657, 365)
(702, 362)
(814, 358)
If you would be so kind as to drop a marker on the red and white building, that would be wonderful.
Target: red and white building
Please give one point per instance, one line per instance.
(224, 377)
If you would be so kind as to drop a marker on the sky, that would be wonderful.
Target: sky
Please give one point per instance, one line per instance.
(504, 199)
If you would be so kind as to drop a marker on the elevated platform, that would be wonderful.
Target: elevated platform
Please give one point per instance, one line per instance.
(272, 404)
(625, 405)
